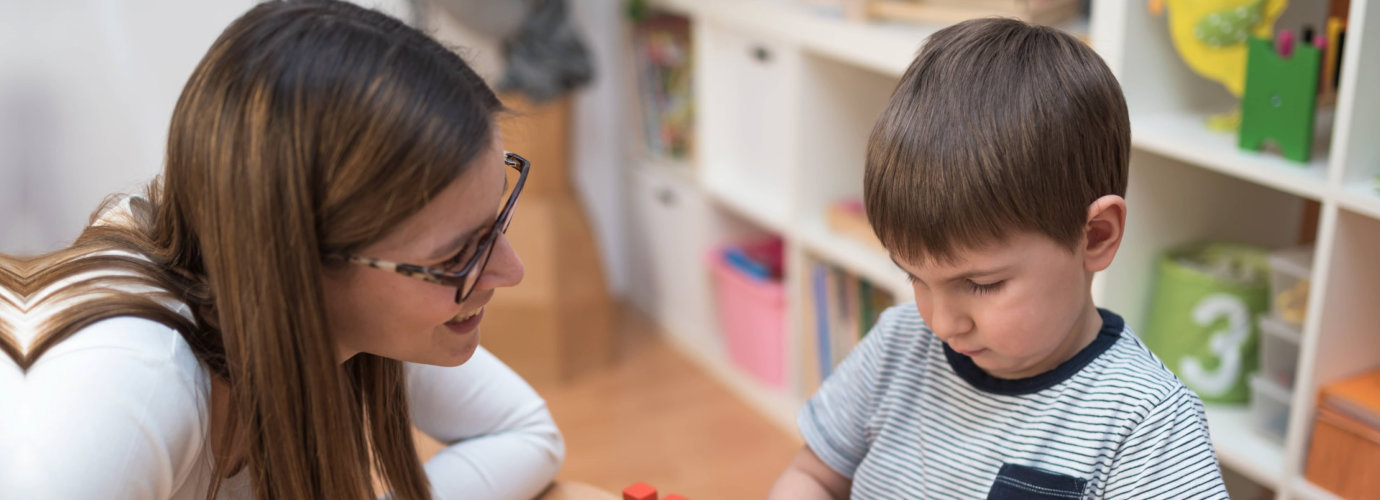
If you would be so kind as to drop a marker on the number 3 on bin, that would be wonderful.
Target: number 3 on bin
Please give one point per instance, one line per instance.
(1225, 343)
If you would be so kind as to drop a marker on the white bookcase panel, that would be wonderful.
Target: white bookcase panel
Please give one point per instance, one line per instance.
(669, 236)
(746, 116)
(1358, 103)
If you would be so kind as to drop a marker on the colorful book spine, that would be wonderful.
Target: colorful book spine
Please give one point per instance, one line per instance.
(844, 310)
(822, 339)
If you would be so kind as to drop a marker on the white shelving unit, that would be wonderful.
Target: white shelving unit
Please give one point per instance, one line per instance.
(787, 94)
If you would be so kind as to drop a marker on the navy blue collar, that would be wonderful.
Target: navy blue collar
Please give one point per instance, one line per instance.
(1112, 325)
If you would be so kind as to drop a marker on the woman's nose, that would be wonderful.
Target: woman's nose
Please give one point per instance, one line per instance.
(504, 268)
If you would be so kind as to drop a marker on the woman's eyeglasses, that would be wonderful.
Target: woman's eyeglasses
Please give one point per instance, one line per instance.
(474, 255)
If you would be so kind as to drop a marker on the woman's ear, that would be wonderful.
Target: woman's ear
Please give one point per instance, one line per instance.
(1102, 233)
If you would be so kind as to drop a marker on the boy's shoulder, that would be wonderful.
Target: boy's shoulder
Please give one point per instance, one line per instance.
(1130, 371)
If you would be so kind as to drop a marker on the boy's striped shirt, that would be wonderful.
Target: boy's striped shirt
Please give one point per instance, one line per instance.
(905, 417)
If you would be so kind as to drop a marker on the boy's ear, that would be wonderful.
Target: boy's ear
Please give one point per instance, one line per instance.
(1102, 233)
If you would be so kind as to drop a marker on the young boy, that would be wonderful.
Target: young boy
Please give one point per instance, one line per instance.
(995, 179)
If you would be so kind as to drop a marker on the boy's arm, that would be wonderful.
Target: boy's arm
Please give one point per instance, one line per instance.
(834, 421)
(808, 478)
(1169, 455)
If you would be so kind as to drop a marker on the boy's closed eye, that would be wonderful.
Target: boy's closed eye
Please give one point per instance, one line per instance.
(968, 284)
(984, 288)
(976, 282)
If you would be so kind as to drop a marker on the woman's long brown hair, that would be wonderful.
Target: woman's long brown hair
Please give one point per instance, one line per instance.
(310, 127)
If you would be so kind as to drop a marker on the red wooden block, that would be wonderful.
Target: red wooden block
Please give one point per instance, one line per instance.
(639, 491)
(675, 497)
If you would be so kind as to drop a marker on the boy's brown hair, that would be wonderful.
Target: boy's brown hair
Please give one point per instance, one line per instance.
(997, 126)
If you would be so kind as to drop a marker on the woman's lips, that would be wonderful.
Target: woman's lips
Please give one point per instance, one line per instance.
(467, 325)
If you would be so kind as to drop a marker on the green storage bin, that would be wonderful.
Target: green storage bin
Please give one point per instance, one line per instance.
(1202, 316)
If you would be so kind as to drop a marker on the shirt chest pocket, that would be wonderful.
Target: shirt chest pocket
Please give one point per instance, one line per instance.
(1029, 483)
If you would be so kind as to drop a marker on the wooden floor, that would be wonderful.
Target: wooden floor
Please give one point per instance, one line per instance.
(655, 417)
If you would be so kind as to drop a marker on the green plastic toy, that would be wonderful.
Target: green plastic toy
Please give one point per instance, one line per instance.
(1280, 97)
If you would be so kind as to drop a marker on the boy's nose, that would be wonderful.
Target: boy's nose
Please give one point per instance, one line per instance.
(949, 322)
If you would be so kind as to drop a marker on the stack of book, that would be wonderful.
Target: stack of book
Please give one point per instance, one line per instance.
(842, 308)
(662, 58)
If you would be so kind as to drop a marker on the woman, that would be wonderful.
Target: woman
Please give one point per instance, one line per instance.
(248, 328)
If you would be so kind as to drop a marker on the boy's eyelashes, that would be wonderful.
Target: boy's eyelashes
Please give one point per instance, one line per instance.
(981, 288)
(970, 285)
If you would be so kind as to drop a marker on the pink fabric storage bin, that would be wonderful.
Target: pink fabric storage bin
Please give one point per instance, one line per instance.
(752, 317)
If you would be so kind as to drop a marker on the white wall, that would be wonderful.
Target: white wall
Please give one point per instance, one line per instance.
(86, 91)
(601, 136)
(87, 88)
